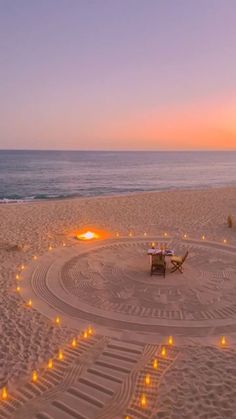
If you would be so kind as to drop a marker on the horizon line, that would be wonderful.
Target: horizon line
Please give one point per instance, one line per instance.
(122, 150)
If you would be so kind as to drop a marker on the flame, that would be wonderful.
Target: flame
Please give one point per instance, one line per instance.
(60, 355)
(73, 343)
(50, 364)
(4, 393)
(89, 235)
(170, 340)
(90, 330)
(18, 288)
(85, 334)
(34, 376)
(34, 257)
(147, 379)
(163, 352)
(29, 303)
(223, 341)
(155, 364)
(58, 320)
(143, 401)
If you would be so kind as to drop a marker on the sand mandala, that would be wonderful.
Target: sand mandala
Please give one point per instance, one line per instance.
(109, 284)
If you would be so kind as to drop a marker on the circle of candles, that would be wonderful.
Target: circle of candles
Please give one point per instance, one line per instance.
(34, 376)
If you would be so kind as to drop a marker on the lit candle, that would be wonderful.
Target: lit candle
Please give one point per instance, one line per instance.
(147, 379)
(163, 352)
(117, 235)
(4, 394)
(145, 234)
(155, 364)
(17, 277)
(170, 340)
(185, 236)
(58, 321)
(60, 355)
(130, 234)
(85, 334)
(225, 241)
(203, 237)
(35, 257)
(143, 401)
(153, 245)
(34, 376)
(90, 330)
(29, 303)
(64, 245)
(223, 341)
(73, 343)
(165, 234)
(22, 267)
(50, 248)
(18, 288)
(50, 364)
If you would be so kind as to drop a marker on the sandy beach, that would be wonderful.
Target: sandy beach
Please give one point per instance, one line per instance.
(106, 285)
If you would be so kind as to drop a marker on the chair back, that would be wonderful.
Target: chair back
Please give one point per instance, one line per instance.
(158, 259)
(185, 256)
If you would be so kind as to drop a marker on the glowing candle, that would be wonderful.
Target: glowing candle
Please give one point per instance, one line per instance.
(223, 341)
(64, 245)
(155, 364)
(50, 364)
(170, 340)
(185, 236)
(85, 334)
(145, 234)
(17, 277)
(130, 234)
(35, 257)
(50, 248)
(60, 355)
(143, 401)
(22, 267)
(73, 343)
(147, 379)
(34, 376)
(203, 237)
(117, 235)
(18, 288)
(163, 352)
(58, 321)
(165, 234)
(4, 394)
(90, 330)
(153, 245)
(29, 303)
(225, 241)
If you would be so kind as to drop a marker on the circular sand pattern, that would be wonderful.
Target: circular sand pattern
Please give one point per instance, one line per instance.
(111, 285)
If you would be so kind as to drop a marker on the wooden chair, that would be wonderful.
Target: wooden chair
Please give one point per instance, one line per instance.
(158, 266)
(177, 262)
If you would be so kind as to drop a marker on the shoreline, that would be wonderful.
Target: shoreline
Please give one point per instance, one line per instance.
(6, 201)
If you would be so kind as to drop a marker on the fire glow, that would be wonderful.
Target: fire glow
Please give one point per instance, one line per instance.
(89, 235)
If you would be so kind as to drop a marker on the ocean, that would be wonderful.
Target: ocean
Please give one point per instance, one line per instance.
(37, 175)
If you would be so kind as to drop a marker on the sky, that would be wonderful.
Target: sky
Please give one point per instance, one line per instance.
(118, 74)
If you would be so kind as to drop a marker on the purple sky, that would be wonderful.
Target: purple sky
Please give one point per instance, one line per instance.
(117, 74)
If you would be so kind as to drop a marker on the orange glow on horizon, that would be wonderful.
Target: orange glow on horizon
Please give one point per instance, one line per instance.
(91, 233)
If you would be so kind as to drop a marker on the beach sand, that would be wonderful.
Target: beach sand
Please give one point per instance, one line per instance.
(106, 284)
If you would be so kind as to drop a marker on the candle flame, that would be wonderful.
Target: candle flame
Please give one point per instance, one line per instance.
(170, 340)
(34, 376)
(50, 363)
(143, 401)
(223, 341)
(73, 343)
(29, 304)
(4, 393)
(155, 364)
(60, 355)
(163, 352)
(147, 379)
